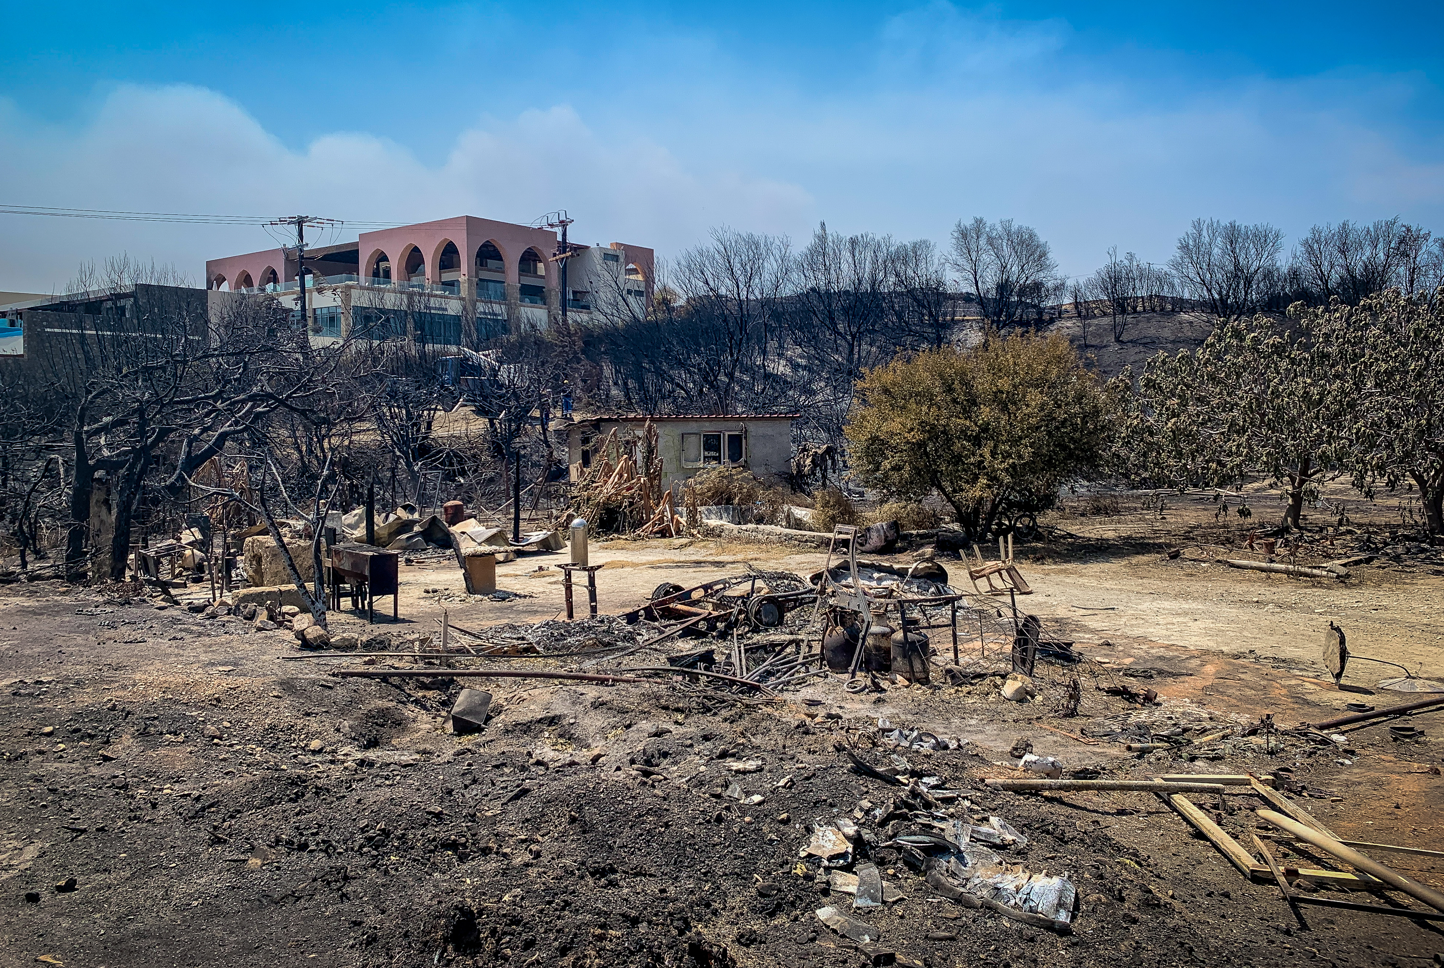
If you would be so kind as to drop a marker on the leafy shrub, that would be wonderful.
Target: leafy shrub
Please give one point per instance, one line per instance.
(831, 508)
(909, 515)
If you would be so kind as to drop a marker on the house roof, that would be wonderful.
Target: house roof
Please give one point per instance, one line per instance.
(643, 418)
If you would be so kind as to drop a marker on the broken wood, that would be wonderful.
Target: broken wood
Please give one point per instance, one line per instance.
(1295, 571)
(1286, 806)
(1283, 884)
(481, 674)
(1226, 779)
(1079, 786)
(1226, 845)
(1355, 859)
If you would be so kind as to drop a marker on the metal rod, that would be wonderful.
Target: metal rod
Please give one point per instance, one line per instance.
(1434, 700)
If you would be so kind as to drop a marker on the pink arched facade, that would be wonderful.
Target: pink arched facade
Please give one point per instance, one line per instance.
(429, 239)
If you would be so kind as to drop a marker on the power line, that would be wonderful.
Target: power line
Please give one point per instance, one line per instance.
(122, 216)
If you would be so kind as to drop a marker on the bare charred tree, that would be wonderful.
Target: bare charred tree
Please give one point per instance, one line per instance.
(1008, 266)
(154, 389)
(1227, 265)
(840, 320)
(730, 292)
(921, 294)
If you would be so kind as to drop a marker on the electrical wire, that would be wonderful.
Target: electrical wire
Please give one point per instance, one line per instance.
(124, 216)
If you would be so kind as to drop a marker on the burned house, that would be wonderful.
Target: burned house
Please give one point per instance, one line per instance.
(759, 443)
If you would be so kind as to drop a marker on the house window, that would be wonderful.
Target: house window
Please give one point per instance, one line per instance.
(611, 257)
(533, 295)
(703, 450)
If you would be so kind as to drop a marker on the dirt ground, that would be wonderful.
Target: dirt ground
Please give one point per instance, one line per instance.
(219, 801)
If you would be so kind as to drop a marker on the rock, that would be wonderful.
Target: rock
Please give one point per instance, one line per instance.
(212, 732)
(1018, 688)
(300, 624)
(316, 746)
(196, 608)
(248, 612)
(66, 886)
(264, 565)
(271, 594)
(290, 611)
(266, 625)
(47, 731)
(315, 637)
(345, 642)
(32, 897)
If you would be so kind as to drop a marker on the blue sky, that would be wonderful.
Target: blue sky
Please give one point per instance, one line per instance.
(1100, 125)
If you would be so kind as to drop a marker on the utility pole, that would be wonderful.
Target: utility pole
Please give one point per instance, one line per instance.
(563, 254)
(299, 222)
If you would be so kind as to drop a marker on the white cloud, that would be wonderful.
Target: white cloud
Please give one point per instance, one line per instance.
(189, 150)
(1086, 158)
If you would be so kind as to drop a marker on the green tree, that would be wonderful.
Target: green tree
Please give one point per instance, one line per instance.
(1260, 396)
(995, 430)
(1388, 351)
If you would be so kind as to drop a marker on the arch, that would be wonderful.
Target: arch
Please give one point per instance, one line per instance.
(532, 263)
(219, 283)
(634, 273)
(490, 257)
(413, 265)
(378, 267)
(244, 281)
(269, 278)
(447, 259)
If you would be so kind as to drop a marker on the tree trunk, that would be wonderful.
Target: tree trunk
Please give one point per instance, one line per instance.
(1294, 515)
(81, 486)
(1431, 496)
(516, 496)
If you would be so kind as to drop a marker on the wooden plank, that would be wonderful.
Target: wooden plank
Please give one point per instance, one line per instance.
(1287, 807)
(1279, 880)
(1226, 845)
(1355, 859)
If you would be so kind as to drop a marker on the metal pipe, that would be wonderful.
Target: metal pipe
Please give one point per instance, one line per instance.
(1355, 859)
(1434, 700)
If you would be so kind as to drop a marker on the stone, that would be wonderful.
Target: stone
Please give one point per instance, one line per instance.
(32, 897)
(66, 886)
(316, 746)
(1018, 688)
(248, 612)
(290, 611)
(266, 625)
(265, 566)
(315, 637)
(47, 731)
(345, 642)
(300, 623)
(262, 595)
(212, 732)
(197, 607)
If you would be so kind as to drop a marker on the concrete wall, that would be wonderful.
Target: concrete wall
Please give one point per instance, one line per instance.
(767, 448)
